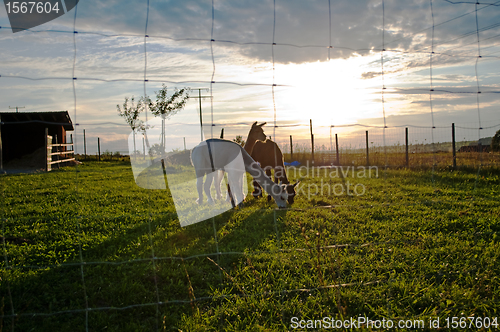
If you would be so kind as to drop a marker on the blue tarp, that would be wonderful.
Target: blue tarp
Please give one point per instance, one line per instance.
(293, 163)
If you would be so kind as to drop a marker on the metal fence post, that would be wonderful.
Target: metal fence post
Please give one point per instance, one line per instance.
(84, 145)
(406, 143)
(312, 141)
(367, 151)
(1, 152)
(337, 149)
(453, 148)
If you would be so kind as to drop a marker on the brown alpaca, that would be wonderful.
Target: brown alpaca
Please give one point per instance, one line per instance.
(255, 134)
(269, 156)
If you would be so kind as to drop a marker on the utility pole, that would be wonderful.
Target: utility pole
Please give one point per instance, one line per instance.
(199, 98)
(16, 108)
(312, 141)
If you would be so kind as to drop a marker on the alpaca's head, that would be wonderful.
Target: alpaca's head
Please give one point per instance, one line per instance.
(256, 132)
(280, 195)
(290, 189)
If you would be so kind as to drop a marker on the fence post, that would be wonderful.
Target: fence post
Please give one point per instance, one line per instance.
(99, 149)
(57, 148)
(337, 149)
(406, 143)
(1, 152)
(291, 149)
(367, 150)
(453, 148)
(48, 157)
(312, 141)
(72, 146)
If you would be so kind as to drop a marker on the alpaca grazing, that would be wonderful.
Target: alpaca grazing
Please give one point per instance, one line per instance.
(217, 154)
(269, 156)
(255, 134)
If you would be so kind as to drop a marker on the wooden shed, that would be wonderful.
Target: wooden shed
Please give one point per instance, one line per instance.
(23, 140)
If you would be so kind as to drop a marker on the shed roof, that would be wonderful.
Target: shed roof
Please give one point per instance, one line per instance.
(60, 118)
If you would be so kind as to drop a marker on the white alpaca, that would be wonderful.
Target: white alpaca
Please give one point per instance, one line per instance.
(213, 155)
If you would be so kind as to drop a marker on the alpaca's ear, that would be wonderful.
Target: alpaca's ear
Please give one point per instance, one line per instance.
(254, 124)
(296, 183)
(261, 124)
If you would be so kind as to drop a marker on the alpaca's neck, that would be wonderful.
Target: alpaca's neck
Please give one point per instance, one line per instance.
(249, 144)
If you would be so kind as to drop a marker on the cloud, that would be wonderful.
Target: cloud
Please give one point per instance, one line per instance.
(110, 46)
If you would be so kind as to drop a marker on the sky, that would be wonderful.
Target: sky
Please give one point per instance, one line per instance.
(269, 61)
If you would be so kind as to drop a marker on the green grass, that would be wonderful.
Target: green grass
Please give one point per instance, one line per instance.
(415, 245)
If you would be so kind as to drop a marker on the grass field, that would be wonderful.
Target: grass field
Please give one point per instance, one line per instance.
(78, 245)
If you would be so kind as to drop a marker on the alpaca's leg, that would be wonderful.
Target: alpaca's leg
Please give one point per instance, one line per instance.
(218, 175)
(208, 184)
(242, 178)
(199, 187)
(280, 175)
(237, 188)
(268, 173)
(257, 189)
(229, 195)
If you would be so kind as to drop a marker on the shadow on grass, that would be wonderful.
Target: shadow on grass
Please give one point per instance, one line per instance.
(119, 286)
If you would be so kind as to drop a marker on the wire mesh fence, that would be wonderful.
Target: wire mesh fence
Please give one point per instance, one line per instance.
(93, 241)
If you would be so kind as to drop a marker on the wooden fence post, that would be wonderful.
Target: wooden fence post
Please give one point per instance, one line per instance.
(48, 157)
(406, 143)
(453, 148)
(312, 141)
(84, 145)
(291, 149)
(57, 150)
(1, 152)
(99, 149)
(367, 150)
(337, 149)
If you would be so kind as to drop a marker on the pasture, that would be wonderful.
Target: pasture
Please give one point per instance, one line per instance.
(86, 249)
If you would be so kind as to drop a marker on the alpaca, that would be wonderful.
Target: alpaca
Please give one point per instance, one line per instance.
(255, 134)
(268, 154)
(217, 154)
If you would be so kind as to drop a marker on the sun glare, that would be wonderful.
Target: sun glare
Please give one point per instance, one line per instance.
(332, 92)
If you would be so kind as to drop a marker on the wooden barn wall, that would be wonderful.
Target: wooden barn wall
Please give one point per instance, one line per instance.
(22, 139)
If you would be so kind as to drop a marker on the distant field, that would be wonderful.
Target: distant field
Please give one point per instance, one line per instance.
(78, 245)
(419, 157)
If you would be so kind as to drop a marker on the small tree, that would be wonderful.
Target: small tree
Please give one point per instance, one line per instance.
(131, 112)
(239, 139)
(166, 106)
(495, 142)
